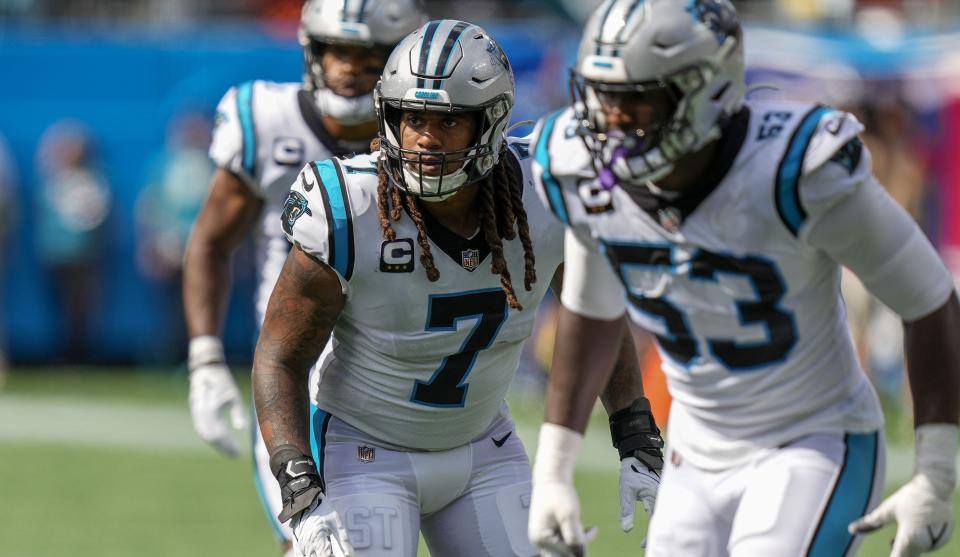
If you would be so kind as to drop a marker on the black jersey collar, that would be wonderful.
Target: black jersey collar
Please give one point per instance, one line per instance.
(671, 213)
(455, 246)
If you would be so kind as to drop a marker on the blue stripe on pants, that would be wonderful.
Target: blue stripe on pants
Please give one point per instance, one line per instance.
(850, 498)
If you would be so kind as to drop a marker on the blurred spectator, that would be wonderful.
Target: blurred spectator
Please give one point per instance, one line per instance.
(72, 207)
(166, 209)
(8, 218)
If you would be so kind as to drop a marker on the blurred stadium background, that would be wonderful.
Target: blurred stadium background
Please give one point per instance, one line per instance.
(105, 113)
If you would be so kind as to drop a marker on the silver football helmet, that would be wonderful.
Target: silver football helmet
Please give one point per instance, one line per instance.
(690, 52)
(367, 23)
(445, 66)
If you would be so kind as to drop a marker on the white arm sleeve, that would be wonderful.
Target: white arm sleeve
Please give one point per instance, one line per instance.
(873, 236)
(590, 287)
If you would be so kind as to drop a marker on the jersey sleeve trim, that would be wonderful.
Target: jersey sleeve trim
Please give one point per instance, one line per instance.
(247, 127)
(339, 215)
(786, 189)
(554, 193)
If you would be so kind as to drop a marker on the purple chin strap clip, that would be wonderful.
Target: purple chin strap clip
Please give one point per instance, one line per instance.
(608, 179)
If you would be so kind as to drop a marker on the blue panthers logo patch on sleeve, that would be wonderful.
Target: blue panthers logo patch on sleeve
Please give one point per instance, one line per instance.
(293, 208)
(849, 155)
(718, 15)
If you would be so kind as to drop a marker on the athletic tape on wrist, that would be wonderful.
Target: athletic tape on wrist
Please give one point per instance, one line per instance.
(205, 350)
(936, 453)
(556, 453)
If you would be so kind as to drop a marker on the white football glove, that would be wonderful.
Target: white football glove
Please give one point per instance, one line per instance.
(923, 508)
(637, 483)
(215, 402)
(554, 525)
(320, 535)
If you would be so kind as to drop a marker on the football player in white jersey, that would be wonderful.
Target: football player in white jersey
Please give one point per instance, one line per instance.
(424, 263)
(265, 132)
(721, 225)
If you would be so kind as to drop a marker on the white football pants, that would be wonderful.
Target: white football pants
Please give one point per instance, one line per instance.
(470, 501)
(792, 501)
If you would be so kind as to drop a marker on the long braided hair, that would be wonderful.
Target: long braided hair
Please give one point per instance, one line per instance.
(502, 217)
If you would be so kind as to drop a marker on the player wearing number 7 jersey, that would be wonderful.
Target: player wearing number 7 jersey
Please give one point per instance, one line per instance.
(721, 224)
(426, 261)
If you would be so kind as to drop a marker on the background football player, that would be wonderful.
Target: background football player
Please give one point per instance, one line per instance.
(265, 133)
(411, 259)
(721, 225)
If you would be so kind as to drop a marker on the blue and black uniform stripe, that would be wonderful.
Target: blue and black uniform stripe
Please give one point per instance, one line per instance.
(339, 215)
(554, 193)
(247, 127)
(850, 498)
(787, 186)
(425, 51)
(319, 422)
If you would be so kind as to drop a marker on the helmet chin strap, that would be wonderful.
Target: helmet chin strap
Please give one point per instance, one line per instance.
(420, 184)
(348, 111)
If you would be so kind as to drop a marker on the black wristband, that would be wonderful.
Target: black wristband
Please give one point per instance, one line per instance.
(300, 483)
(635, 433)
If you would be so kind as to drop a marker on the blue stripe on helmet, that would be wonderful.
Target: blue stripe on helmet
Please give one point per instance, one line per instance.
(603, 22)
(425, 45)
(452, 37)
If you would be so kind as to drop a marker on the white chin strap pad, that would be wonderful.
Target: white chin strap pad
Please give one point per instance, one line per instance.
(346, 110)
(421, 185)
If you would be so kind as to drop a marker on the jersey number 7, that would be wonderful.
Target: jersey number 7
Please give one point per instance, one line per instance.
(489, 307)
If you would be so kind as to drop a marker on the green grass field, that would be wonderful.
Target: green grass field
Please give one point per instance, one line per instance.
(99, 464)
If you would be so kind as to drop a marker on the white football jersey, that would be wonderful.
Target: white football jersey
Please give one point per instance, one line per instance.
(417, 364)
(264, 134)
(748, 315)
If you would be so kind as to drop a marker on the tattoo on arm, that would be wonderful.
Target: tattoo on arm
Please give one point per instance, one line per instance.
(304, 306)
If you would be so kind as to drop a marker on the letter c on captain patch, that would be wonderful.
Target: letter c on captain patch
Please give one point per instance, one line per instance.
(396, 256)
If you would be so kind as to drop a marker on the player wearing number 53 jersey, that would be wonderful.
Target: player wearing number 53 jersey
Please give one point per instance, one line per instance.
(721, 226)
(424, 263)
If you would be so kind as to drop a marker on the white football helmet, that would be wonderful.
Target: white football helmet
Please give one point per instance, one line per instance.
(690, 51)
(368, 23)
(445, 66)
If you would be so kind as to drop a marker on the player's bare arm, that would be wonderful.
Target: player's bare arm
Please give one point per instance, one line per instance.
(228, 214)
(301, 314)
(592, 356)
(227, 217)
(578, 377)
(933, 364)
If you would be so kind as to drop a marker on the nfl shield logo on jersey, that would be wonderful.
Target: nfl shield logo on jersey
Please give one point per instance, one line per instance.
(670, 219)
(470, 259)
(366, 454)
